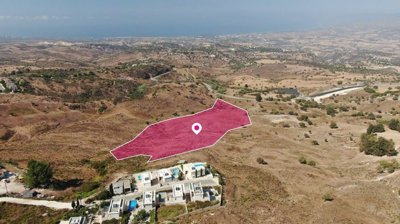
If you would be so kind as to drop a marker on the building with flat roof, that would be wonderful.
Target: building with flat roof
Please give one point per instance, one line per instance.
(121, 187)
(165, 175)
(178, 193)
(145, 179)
(77, 220)
(115, 210)
(196, 191)
(194, 170)
(118, 187)
(149, 199)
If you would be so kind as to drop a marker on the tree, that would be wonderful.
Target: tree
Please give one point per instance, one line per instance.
(73, 205)
(38, 174)
(181, 177)
(258, 97)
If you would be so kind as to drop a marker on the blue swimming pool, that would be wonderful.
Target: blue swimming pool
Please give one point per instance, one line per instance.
(176, 172)
(132, 205)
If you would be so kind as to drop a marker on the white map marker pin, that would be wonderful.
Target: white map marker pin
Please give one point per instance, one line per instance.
(196, 128)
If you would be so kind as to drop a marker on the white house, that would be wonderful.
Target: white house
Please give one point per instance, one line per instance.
(194, 170)
(178, 192)
(115, 210)
(77, 220)
(145, 179)
(165, 175)
(149, 198)
(196, 192)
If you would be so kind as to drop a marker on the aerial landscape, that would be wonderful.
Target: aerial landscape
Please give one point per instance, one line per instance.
(260, 126)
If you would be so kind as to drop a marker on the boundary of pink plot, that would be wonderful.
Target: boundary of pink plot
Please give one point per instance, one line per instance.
(181, 153)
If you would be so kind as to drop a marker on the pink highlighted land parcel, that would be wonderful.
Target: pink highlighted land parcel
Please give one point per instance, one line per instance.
(176, 136)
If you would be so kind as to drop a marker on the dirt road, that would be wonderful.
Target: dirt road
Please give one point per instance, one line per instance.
(50, 204)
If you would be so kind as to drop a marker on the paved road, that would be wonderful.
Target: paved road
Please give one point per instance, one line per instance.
(338, 92)
(50, 204)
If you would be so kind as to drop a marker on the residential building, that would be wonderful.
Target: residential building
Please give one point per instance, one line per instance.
(196, 192)
(77, 220)
(121, 187)
(194, 170)
(118, 187)
(149, 199)
(115, 210)
(165, 175)
(178, 192)
(145, 179)
(127, 186)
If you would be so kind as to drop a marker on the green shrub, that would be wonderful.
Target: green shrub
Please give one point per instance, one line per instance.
(377, 146)
(314, 142)
(394, 124)
(375, 128)
(333, 125)
(261, 161)
(369, 90)
(330, 110)
(139, 92)
(258, 97)
(371, 116)
(311, 163)
(388, 166)
(327, 197)
(302, 160)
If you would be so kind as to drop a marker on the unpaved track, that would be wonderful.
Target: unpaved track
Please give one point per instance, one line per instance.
(50, 204)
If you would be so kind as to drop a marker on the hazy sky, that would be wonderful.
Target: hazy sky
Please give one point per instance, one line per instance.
(116, 18)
